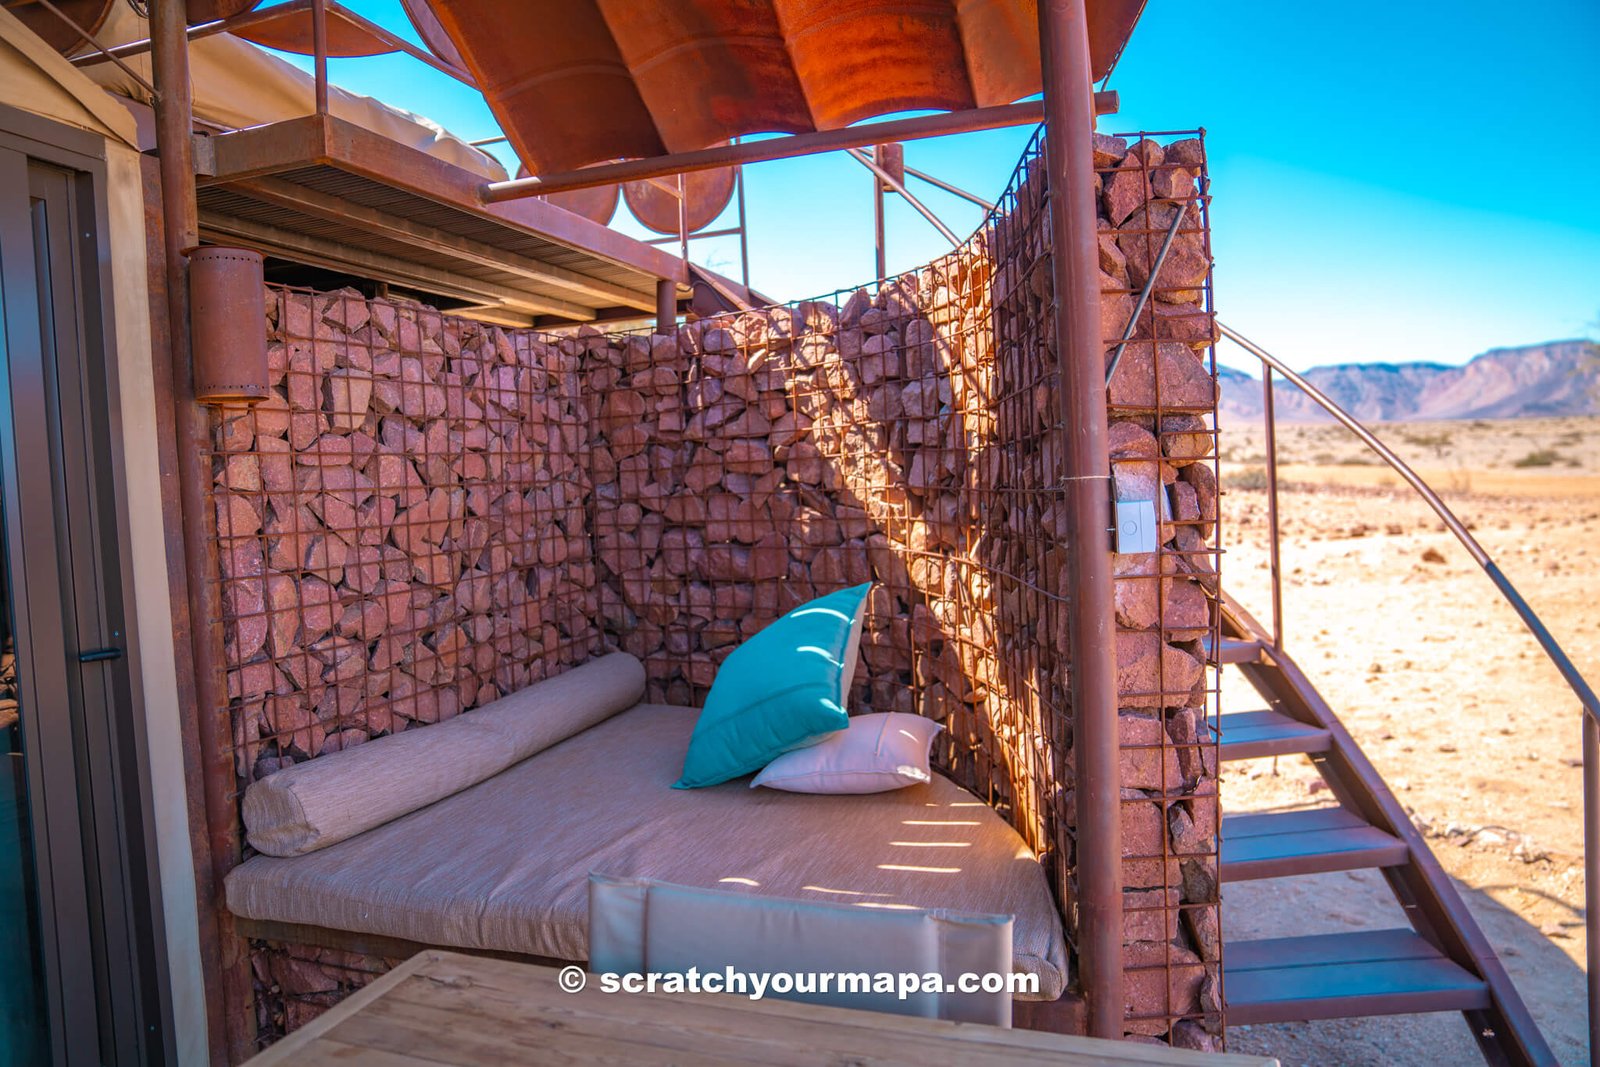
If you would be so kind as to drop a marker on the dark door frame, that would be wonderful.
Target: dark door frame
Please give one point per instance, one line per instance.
(102, 922)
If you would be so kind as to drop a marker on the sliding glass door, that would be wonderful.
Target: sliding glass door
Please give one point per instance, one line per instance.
(77, 925)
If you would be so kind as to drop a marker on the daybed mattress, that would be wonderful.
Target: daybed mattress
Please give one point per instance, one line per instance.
(504, 865)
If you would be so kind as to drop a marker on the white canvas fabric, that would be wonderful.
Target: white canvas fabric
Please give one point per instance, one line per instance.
(637, 925)
(504, 865)
(877, 752)
(334, 797)
(237, 84)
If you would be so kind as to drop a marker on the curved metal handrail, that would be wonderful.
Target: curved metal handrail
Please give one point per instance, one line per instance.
(1558, 656)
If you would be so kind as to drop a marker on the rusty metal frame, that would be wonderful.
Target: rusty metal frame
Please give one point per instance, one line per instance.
(100, 53)
(174, 120)
(800, 144)
(293, 144)
(684, 236)
(1443, 906)
(1069, 122)
(895, 185)
(245, 20)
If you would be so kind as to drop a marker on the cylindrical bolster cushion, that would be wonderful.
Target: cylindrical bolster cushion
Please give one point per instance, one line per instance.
(323, 801)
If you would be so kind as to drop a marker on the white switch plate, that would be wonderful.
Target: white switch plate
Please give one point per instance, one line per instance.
(1136, 526)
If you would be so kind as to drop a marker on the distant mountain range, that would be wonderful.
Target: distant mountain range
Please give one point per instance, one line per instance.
(1555, 378)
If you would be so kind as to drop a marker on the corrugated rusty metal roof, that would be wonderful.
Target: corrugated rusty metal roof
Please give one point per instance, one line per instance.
(575, 82)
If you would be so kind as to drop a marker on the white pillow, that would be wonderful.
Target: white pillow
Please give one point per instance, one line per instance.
(874, 754)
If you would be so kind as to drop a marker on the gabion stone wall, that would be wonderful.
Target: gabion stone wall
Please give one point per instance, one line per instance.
(402, 527)
(777, 455)
(1162, 401)
(430, 513)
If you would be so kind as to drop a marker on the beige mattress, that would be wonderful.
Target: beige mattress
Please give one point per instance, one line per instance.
(504, 864)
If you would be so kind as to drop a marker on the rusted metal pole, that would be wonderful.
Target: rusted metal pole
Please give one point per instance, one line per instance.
(666, 305)
(1591, 875)
(880, 263)
(89, 39)
(1541, 633)
(956, 190)
(887, 181)
(744, 233)
(1069, 137)
(245, 20)
(181, 232)
(1144, 295)
(319, 52)
(1274, 546)
(799, 144)
(683, 220)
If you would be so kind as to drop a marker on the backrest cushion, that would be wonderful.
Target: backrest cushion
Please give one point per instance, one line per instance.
(783, 689)
(637, 926)
(320, 802)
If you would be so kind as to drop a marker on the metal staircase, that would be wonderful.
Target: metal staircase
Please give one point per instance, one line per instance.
(1442, 961)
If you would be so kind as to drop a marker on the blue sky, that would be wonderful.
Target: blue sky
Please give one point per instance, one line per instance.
(1405, 181)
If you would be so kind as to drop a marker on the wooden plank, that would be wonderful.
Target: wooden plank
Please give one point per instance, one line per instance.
(1312, 950)
(1276, 844)
(360, 151)
(322, 139)
(333, 209)
(367, 944)
(297, 1045)
(1253, 734)
(321, 253)
(1269, 823)
(269, 149)
(1330, 976)
(445, 1008)
(1233, 650)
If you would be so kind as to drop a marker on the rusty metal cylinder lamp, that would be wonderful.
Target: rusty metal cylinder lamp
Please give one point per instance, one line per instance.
(227, 319)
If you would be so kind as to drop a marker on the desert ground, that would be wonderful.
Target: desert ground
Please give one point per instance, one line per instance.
(1441, 685)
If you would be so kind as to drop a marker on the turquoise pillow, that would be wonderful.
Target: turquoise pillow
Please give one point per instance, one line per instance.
(783, 689)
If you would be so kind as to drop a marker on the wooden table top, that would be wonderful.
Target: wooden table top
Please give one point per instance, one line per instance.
(447, 1008)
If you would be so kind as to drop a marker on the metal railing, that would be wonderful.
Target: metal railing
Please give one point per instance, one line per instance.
(1558, 656)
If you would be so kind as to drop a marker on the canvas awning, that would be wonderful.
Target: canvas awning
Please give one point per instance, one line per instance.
(575, 82)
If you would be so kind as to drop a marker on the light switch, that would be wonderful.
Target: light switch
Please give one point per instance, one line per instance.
(1136, 526)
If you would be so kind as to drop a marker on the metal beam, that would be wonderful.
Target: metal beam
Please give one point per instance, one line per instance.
(334, 256)
(244, 20)
(314, 140)
(334, 209)
(492, 313)
(666, 306)
(956, 190)
(1091, 636)
(866, 160)
(800, 144)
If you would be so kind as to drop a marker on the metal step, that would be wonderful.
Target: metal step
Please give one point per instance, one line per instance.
(1278, 844)
(1232, 650)
(1339, 976)
(1252, 734)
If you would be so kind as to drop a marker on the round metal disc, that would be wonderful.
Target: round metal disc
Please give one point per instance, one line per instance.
(90, 14)
(597, 204)
(654, 202)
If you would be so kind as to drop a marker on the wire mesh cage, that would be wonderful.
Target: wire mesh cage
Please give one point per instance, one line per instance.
(1155, 260)
(429, 513)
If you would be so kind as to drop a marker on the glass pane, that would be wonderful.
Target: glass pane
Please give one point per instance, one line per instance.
(23, 1034)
